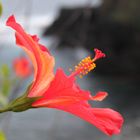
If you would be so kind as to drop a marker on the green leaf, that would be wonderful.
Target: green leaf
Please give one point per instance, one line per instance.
(5, 71)
(0, 9)
(5, 79)
(2, 135)
(6, 87)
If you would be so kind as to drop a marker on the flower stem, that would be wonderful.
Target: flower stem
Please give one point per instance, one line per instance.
(5, 110)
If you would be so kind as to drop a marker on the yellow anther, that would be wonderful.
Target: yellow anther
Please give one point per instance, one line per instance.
(85, 66)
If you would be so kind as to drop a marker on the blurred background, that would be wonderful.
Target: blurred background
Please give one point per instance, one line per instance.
(71, 30)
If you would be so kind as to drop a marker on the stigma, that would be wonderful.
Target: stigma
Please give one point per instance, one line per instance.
(87, 64)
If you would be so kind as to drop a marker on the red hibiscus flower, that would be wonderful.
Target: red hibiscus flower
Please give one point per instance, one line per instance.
(60, 91)
(22, 67)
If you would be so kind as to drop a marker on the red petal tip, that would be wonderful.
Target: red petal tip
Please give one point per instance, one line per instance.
(10, 19)
(101, 95)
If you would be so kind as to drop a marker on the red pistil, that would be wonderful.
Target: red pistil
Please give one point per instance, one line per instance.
(87, 64)
(98, 54)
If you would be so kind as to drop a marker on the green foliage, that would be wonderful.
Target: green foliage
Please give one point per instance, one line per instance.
(6, 87)
(5, 71)
(5, 81)
(2, 135)
(5, 84)
(0, 9)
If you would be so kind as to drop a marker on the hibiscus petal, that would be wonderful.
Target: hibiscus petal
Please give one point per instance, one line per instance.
(62, 90)
(42, 61)
(64, 94)
(42, 47)
(107, 120)
(110, 120)
(100, 96)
